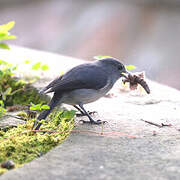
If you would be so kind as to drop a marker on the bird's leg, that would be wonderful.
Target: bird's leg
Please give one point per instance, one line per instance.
(53, 103)
(92, 121)
(82, 113)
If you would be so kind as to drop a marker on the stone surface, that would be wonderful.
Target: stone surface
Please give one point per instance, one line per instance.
(153, 154)
(10, 121)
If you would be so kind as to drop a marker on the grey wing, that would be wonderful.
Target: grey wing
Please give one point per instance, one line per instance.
(84, 76)
(51, 84)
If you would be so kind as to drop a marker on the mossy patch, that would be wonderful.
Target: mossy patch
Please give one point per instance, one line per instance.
(22, 145)
(22, 92)
(14, 90)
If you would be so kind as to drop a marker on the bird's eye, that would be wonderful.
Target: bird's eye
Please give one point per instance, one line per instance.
(120, 67)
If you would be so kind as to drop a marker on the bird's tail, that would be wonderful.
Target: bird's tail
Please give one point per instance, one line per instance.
(53, 103)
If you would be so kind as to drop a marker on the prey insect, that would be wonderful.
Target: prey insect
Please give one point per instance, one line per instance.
(135, 79)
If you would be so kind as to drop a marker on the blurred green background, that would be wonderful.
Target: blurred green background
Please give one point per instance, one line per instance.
(145, 33)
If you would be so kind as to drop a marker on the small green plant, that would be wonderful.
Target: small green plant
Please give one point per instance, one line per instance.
(40, 66)
(15, 91)
(37, 66)
(8, 85)
(5, 34)
(2, 109)
(130, 67)
(38, 107)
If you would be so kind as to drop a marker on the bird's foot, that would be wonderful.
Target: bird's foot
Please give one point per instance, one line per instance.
(83, 114)
(98, 122)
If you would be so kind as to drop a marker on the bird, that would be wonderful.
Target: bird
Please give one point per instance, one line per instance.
(81, 85)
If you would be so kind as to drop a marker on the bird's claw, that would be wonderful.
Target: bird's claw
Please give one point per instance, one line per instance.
(98, 122)
(90, 113)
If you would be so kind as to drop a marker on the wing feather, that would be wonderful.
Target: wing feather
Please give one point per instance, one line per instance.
(87, 76)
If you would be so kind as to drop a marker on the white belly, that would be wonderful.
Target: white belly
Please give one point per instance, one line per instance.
(83, 96)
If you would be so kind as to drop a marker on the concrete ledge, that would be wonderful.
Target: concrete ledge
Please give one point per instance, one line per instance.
(153, 154)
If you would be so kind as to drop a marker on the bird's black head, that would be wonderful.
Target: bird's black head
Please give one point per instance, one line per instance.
(113, 67)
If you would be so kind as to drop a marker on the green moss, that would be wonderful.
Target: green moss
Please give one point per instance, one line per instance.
(33, 97)
(20, 97)
(22, 146)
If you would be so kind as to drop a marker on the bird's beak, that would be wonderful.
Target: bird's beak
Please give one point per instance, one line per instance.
(125, 74)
